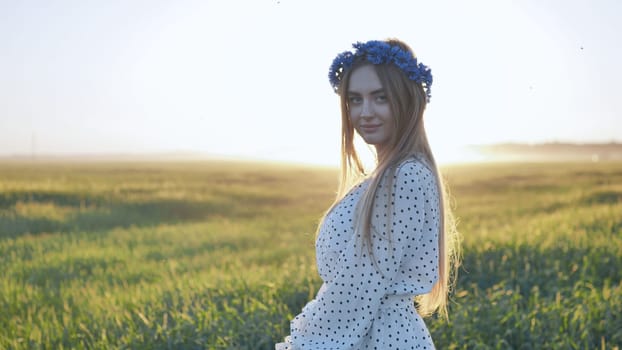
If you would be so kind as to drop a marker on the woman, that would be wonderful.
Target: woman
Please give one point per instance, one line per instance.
(389, 238)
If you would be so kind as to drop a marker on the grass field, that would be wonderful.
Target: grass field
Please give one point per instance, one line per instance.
(218, 255)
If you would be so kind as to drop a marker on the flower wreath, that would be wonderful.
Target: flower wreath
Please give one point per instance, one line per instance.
(379, 52)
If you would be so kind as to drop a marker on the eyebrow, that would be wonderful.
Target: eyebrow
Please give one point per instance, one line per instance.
(373, 92)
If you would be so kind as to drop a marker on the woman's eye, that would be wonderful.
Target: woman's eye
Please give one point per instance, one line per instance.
(355, 99)
(381, 98)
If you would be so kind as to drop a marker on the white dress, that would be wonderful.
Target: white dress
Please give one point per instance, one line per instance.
(364, 304)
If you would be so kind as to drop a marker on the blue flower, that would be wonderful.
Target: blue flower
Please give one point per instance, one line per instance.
(342, 62)
(380, 52)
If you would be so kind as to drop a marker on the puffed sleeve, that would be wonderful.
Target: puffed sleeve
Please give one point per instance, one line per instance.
(344, 308)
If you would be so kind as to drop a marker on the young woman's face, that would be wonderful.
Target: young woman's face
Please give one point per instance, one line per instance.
(368, 107)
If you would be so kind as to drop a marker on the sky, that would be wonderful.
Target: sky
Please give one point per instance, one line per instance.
(249, 78)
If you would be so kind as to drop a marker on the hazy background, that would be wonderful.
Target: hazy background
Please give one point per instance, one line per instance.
(249, 78)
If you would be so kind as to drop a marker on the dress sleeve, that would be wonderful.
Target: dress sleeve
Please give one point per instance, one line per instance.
(344, 308)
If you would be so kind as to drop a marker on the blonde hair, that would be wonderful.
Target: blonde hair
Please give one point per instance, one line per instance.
(407, 102)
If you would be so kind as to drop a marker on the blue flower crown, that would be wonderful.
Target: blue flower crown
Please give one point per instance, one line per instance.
(379, 52)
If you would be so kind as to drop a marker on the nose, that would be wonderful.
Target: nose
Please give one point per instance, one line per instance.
(366, 110)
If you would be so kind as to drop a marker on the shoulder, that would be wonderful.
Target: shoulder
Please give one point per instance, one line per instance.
(414, 169)
(413, 176)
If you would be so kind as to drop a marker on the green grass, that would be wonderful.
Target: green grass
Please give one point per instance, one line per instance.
(220, 255)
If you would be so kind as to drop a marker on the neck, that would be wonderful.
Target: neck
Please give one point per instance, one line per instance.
(381, 153)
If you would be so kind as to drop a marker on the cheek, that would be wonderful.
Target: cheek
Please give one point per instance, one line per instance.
(387, 116)
(385, 111)
(353, 115)
(389, 121)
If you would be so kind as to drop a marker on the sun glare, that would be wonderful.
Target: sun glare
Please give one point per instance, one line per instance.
(444, 154)
(458, 154)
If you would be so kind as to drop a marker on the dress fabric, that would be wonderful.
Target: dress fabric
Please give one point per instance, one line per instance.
(366, 302)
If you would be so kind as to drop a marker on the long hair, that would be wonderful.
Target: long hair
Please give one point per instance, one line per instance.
(407, 101)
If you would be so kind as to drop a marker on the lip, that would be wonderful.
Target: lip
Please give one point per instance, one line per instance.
(370, 127)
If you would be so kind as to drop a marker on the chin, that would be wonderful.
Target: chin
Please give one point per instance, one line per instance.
(372, 141)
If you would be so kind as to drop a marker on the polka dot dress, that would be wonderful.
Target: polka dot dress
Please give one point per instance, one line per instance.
(366, 303)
